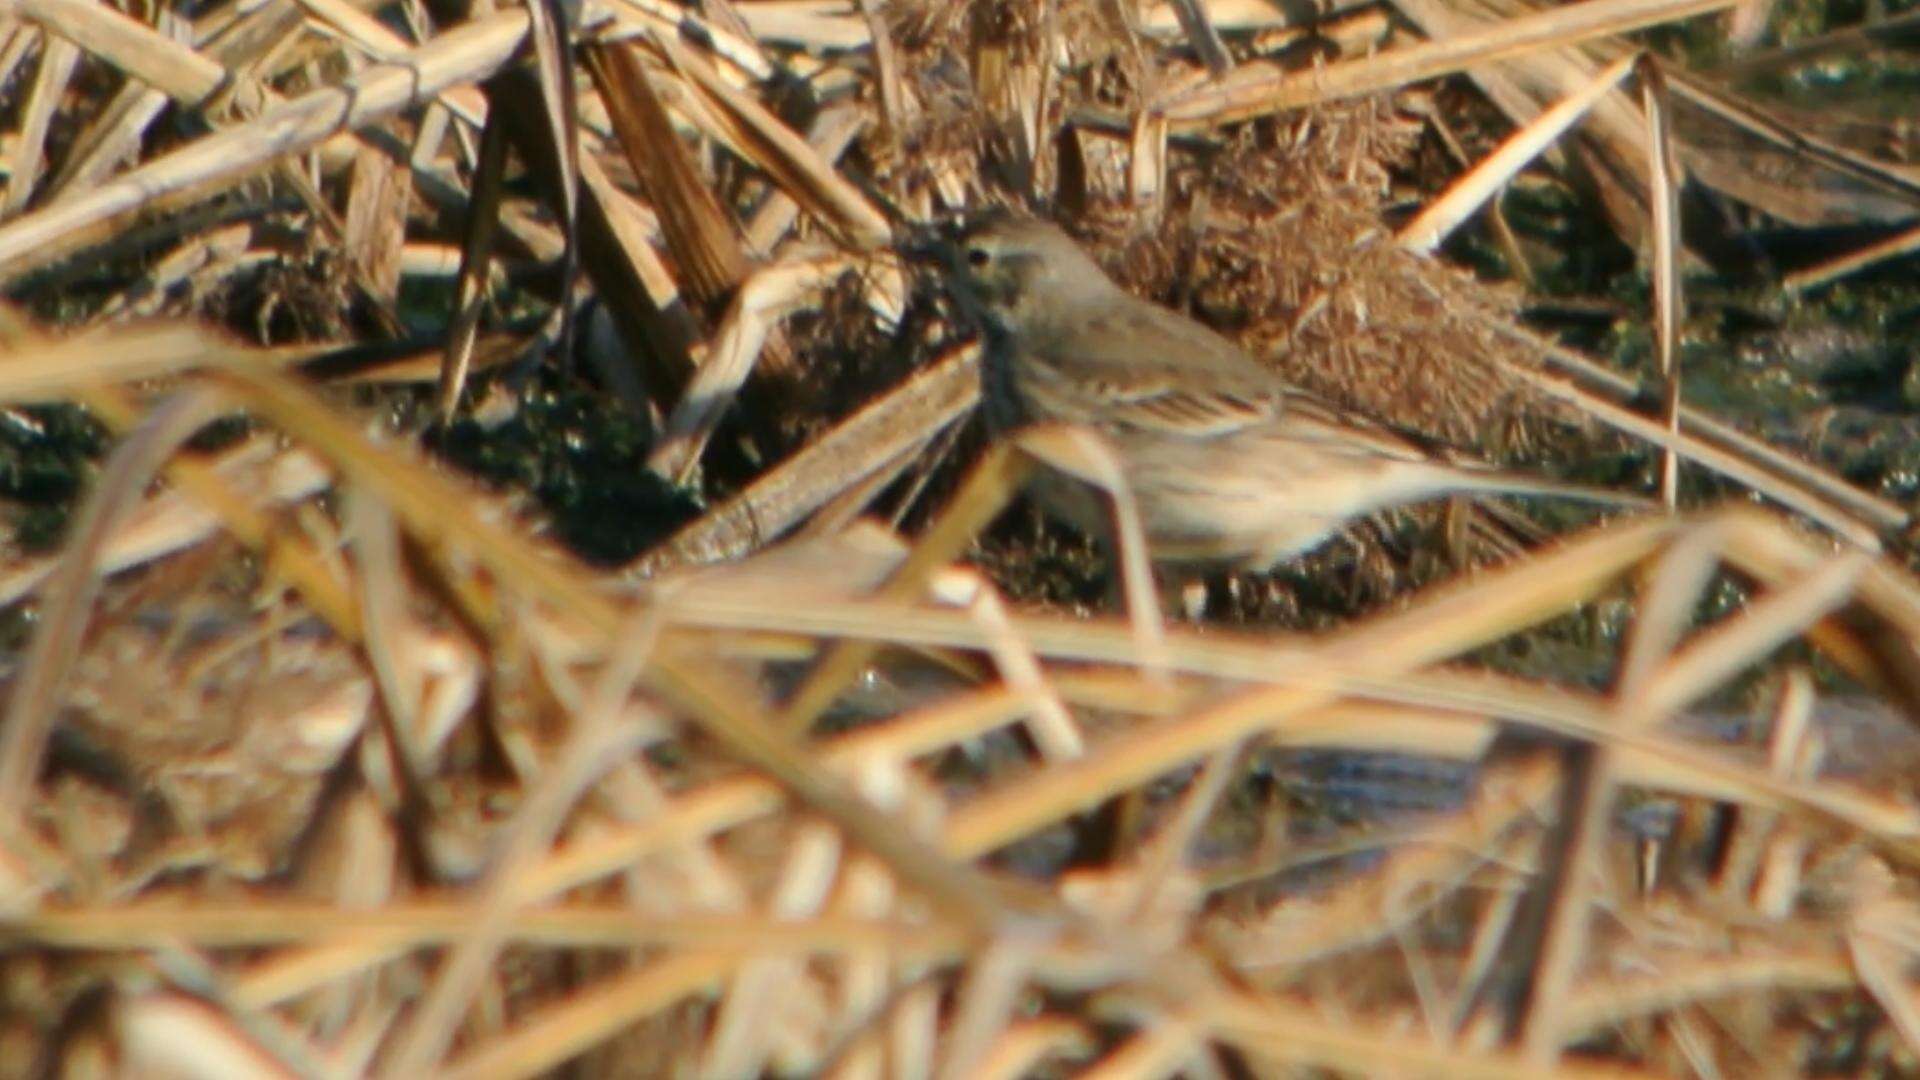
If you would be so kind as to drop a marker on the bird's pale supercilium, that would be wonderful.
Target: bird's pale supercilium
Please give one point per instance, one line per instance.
(1229, 464)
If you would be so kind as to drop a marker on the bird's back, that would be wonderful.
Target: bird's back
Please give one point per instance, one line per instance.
(1129, 362)
(1134, 364)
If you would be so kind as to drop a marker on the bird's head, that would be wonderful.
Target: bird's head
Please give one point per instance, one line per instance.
(1012, 270)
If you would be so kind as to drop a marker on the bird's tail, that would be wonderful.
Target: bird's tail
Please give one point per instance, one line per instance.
(1494, 482)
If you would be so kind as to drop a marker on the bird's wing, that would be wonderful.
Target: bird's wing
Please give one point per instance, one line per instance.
(1305, 418)
(1156, 371)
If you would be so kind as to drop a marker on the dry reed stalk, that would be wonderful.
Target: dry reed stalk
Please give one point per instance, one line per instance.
(1664, 179)
(72, 590)
(698, 233)
(886, 430)
(471, 51)
(1253, 92)
(1444, 214)
(1893, 247)
(761, 300)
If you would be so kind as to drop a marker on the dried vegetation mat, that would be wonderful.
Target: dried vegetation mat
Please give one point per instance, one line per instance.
(321, 757)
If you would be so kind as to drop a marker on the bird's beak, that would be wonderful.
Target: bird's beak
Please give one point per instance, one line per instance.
(924, 251)
(927, 245)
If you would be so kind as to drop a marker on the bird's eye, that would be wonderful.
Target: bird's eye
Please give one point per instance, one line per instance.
(978, 256)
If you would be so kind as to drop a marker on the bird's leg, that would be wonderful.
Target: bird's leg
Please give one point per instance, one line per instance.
(1456, 525)
(1374, 574)
(1183, 594)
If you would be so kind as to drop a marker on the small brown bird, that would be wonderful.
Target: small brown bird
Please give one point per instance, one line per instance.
(1230, 465)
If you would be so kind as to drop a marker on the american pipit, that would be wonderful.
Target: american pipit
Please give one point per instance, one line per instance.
(1230, 465)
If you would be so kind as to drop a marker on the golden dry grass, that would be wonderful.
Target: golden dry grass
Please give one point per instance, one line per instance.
(318, 759)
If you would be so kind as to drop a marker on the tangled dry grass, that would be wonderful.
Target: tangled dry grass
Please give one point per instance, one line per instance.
(321, 758)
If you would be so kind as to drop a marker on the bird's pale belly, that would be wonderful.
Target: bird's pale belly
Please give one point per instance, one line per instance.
(1205, 504)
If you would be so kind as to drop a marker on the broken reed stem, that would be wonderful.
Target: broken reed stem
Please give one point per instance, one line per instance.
(1664, 179)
